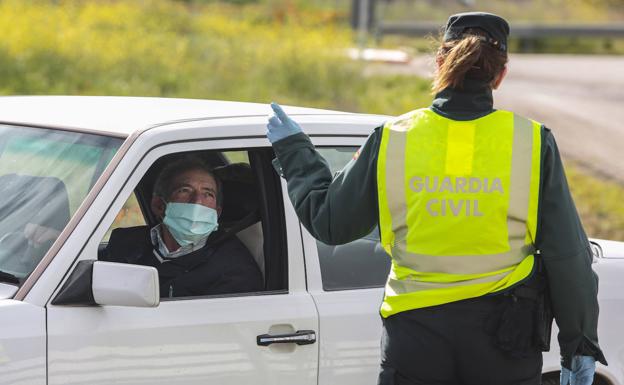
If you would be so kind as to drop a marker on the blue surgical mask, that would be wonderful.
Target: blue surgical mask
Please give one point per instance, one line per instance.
(189, 223)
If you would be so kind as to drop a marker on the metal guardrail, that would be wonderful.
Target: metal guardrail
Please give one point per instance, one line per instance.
(517, 31)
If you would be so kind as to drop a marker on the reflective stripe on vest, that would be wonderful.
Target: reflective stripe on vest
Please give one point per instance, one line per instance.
(457, 206)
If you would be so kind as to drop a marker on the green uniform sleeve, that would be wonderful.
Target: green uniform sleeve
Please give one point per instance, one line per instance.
(335, 210)
(567, 257)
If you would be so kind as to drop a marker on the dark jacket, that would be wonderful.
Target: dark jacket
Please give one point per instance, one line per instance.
(341, 209)
(218, 268)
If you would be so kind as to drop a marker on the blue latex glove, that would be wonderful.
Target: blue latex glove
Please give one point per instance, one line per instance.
(581, 371)
(280, 125)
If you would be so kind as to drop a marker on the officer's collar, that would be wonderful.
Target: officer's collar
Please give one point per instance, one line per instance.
(473, 101)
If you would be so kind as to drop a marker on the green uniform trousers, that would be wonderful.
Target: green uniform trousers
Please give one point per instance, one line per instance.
(450, 345)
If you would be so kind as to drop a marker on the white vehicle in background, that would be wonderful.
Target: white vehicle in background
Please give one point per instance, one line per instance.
(74, 168)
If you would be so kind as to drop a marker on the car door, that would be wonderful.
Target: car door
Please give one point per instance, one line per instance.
(188, 340)
(346, 282)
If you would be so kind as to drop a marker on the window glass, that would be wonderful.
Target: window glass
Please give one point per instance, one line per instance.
(362, 263)
(130, 215)
(337, 157)
(45, 175)
(236, 156)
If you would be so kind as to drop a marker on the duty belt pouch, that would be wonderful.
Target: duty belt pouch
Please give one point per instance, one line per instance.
(512, 325)
(523, 320)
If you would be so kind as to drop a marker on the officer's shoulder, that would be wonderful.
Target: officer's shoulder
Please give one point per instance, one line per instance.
(407, 118)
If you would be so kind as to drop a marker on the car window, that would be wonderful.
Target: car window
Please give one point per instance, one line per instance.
(45, 174)
(337, 157)
(236, 156)
(130, 215)
(205, 236)
(359, 264)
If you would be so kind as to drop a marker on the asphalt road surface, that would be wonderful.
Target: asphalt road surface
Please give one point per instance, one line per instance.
(580, 98)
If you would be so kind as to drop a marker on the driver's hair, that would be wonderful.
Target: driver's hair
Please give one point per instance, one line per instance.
(163, 185)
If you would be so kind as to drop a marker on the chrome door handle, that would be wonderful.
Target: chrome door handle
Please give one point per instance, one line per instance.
(300, 337)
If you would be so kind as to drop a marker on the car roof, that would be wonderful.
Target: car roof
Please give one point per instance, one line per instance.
(122, 115)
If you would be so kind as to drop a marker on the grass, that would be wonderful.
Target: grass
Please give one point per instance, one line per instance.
(599, 202)
(291, 51)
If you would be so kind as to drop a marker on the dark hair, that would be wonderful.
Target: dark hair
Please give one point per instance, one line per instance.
(163, 187)
(471, 56)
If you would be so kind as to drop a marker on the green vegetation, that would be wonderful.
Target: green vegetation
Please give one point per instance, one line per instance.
(570, 45)
(163, 48)
(600, 203)
(291, 51)
(517, 11)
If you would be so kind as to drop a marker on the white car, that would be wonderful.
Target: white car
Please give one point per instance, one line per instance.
(74, 168)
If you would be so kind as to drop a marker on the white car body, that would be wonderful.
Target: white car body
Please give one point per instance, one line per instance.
(208, 340)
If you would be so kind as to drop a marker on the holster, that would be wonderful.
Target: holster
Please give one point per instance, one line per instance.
(523, 320)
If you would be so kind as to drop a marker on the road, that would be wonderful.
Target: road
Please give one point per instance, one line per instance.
(581, 98)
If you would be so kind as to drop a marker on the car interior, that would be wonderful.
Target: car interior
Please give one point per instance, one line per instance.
(251, 208)
(360, 264)
(29, 201)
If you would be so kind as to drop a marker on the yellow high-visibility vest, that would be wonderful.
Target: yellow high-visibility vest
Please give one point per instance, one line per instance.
(458, 205)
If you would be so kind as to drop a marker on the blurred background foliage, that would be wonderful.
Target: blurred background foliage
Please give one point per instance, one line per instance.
(292, 51)
(600, 202)
(217, 50)
(518, 11)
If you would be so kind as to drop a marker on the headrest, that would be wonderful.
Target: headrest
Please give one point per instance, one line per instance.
(240, 194)
(33, 199)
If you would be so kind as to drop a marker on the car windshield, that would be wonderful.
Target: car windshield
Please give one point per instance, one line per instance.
(45, 174)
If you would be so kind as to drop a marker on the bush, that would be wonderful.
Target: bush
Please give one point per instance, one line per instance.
(161, 48)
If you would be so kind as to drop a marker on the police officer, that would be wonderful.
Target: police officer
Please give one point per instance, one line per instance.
(473, 206)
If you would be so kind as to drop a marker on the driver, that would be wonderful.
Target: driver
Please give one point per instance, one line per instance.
(192, 256)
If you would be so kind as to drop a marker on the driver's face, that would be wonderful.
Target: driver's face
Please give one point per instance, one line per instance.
(194, 186)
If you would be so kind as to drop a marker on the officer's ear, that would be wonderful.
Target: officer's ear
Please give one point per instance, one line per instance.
(158, 207)
(499, 78)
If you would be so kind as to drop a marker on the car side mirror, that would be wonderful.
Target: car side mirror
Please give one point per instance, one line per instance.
(110, 284)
